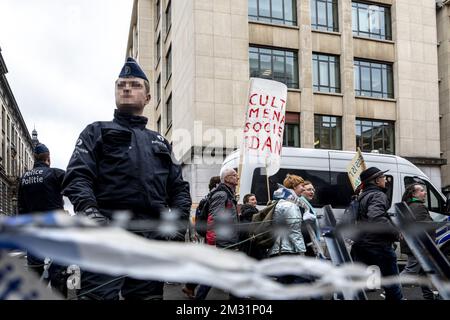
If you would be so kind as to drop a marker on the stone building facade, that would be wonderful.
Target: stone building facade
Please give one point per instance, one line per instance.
(360, 74)
(15, 145)
(443, 33)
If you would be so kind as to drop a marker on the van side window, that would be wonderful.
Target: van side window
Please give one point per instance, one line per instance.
(434, 201)
(339, 191)
(331, 187)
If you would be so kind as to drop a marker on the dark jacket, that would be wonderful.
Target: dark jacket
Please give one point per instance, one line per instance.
(374, 205)
(245, 219)
(421, 214)
(40, 189)
(247, 212)
(120, 164)
(222, 209)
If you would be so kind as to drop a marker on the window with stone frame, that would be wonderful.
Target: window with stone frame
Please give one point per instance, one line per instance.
(326, 73)
(273, 11)
(291, 136)
(324, 15)
(373, 79)
(375, 135)
(371, 21)
(327, 132)
(275, 64)
(169, 111)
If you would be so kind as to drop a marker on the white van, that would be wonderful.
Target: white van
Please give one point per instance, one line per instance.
(327, 170)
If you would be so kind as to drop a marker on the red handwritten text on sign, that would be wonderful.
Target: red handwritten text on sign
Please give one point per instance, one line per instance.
(263, 130)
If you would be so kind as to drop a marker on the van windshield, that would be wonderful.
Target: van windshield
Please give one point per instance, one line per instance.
(332, 188)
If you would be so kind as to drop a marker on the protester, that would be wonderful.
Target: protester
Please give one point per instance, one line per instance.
(189, 288)
(376, 247)
(415, 196)
(40, 191)
(309, 190)
(222, 230)
(310, 217)
(248, 209)
(121, 165)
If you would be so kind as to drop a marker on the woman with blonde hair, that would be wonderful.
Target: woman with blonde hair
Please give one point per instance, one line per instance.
(288, 218)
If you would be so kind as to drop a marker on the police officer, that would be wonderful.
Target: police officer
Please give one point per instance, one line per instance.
(121, 165)
(39, 191)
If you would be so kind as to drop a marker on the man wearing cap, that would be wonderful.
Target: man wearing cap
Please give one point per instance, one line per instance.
(121, 165)
(40, 191)
(376, 248)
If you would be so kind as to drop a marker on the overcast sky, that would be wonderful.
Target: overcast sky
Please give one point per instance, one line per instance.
(63, 57)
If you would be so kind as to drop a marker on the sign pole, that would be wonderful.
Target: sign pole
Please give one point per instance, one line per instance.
(267, 183)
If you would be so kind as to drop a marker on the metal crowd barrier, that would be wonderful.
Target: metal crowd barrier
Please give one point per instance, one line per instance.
(337, 249)
(433, 262)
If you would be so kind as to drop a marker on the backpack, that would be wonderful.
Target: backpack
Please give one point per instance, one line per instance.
(201, 215)
(351, 213)
(261, 227)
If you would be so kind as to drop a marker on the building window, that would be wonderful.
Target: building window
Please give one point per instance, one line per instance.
(373, 21)
(324, 15)
(373, 79)
(158, 125)
(292, 130)
(157, 12)
(3, 119)
(168, 17)
(273, 11)
(274, 64)
(326, 73)
(169, 64)
(158, 49)
(327, 132)
(169, 111)
(8, 128)
(3, 150)
(158, 90)
(375, 135)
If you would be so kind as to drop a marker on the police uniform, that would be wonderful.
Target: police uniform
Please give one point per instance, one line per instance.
(121, 165)
(40, 191)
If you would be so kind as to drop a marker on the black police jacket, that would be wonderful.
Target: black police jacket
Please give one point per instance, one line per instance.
(122, 165)
(40, 189)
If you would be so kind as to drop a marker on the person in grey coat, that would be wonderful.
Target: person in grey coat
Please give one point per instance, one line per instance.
(376, 247)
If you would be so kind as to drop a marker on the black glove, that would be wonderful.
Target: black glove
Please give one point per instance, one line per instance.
(94, 214)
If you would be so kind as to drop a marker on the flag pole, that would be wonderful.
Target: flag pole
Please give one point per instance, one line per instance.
(267, 183)
(241, 150)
